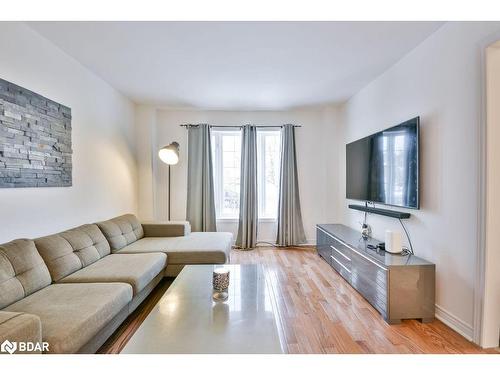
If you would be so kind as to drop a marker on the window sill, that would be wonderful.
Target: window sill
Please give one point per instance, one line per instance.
(262, 220)
(227, 220)
(267, 220)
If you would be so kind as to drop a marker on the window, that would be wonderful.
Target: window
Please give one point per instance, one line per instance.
(226, 158)
(268, 172)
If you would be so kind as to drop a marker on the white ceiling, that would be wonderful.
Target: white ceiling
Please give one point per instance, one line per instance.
(237, 65)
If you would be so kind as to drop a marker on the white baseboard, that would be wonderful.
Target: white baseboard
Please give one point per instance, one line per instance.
(309, 242)
(457, 324)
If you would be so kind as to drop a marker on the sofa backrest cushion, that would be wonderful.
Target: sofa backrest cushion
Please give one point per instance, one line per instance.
(121, 231)
(71, 250)
(22, 271)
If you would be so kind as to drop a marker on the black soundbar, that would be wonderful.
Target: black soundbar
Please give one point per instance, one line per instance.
(381, 211)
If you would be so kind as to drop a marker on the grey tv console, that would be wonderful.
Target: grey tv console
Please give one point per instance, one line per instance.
(399, 287)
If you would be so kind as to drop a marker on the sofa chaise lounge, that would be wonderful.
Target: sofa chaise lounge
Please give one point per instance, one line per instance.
(73, 289)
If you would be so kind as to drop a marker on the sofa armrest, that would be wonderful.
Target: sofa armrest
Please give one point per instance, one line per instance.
(166, 229)
(19, 327)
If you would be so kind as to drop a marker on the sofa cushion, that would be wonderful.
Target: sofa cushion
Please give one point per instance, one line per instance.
(22, 271)
(138, 270)
(166, 229)
(15, 326)
(72, 314)
(195, 248)
(71, 250)
(121, 230)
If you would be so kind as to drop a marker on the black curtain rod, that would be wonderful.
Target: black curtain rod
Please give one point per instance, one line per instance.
(239, 126)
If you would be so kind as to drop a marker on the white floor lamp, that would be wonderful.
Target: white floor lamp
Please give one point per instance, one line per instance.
(170, 156)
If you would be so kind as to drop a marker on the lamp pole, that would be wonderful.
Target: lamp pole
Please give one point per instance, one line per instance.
(169, 192)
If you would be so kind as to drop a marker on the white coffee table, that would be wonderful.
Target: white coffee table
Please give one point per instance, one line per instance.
(187, 320)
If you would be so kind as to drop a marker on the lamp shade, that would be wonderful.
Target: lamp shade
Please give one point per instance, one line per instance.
(169, 154)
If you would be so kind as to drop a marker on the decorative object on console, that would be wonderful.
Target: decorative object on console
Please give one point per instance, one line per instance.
(220, 283)
(393, 242)
(169, 155)
(35, 139)
(366, 230)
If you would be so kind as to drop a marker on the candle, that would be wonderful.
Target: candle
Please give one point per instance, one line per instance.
(220, 280)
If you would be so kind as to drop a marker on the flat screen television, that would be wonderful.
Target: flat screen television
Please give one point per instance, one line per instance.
(384, 167)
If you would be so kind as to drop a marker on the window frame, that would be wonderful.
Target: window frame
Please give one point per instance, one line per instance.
(261, 171)
(218, 167)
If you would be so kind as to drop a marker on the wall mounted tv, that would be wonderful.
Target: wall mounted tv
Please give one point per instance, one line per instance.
(384, 167)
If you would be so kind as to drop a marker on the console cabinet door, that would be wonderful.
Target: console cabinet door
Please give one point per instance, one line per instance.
(370, 279)
(323, 245)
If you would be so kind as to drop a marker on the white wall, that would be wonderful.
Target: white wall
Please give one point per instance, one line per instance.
(104, 165)
(491, 306)
(440, 82)
(145, 123)
(317, 200)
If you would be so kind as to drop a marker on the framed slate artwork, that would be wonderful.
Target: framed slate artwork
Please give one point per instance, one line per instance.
(35, 139)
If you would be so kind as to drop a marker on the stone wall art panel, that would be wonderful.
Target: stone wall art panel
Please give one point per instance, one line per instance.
(35, 139)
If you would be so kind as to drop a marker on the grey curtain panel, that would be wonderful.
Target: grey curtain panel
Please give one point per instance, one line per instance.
(290, 226)
(247, 223)
(200, 192)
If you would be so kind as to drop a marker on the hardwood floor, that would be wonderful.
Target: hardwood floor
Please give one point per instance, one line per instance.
(321, 313)
(324, 314)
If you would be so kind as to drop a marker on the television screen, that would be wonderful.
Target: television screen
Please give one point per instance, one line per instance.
(384, 167)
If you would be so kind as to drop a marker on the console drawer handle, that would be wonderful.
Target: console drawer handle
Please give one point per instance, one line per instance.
(341, 253)
(340, 264)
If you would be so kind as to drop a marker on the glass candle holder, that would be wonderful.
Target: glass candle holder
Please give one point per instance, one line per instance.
(220, 283)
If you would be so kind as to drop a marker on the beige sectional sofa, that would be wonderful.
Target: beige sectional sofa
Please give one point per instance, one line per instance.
(127, 236)
(74, 288)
